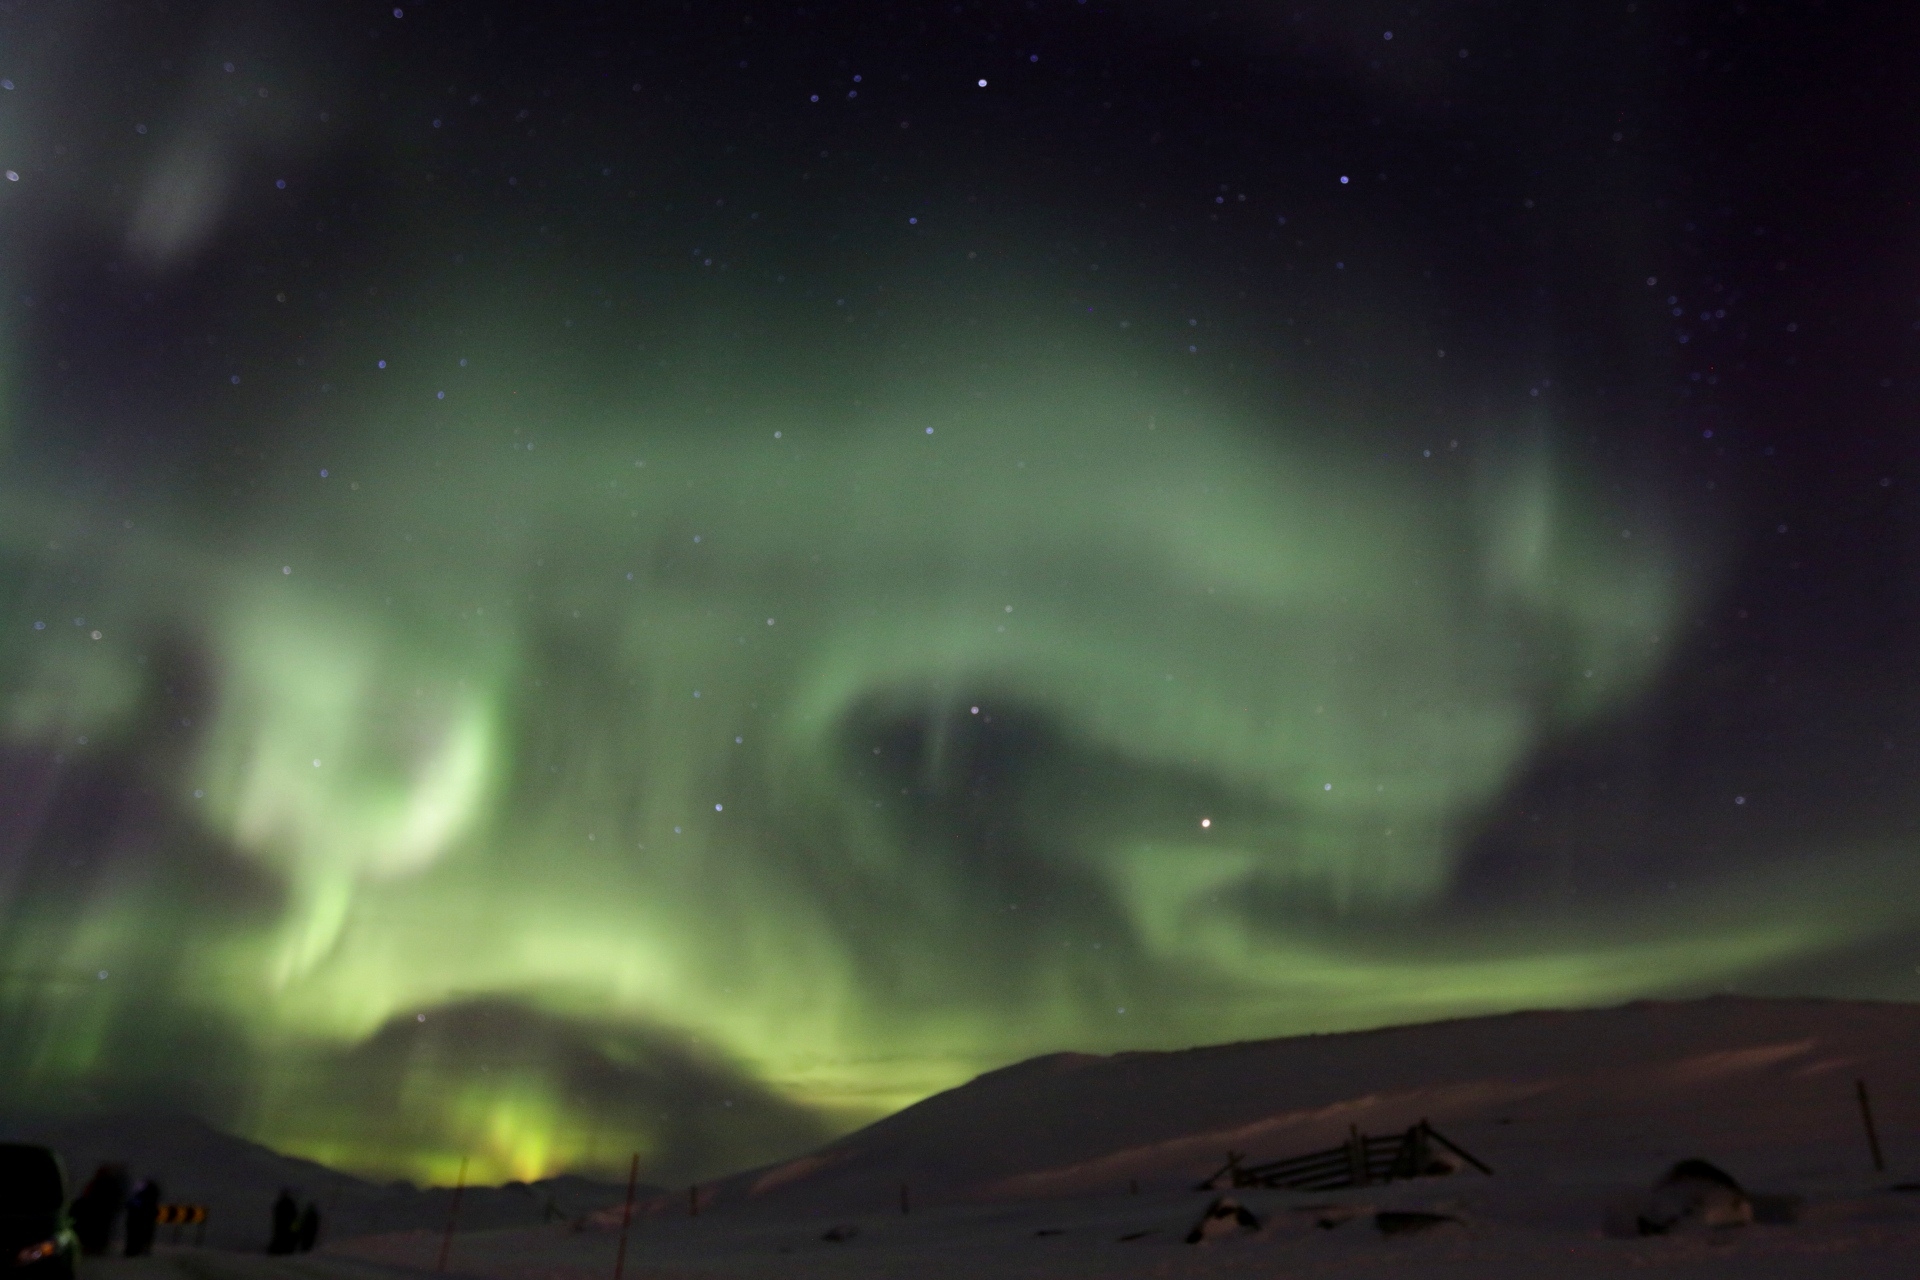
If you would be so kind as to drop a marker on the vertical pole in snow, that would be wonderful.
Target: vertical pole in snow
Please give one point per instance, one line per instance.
(905, 1206)
(626, 1217)
(453, 1216)
(1873, 1139)
(693, 1201)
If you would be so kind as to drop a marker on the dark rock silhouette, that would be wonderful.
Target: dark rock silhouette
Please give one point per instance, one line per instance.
(1224, 1216)
(1394, 1222)
(33, 1200)
(1694, 1193)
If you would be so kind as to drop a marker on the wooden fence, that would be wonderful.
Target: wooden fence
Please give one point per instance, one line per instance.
(1358, 1161)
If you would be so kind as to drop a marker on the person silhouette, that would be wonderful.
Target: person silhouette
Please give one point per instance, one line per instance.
(143, 1214)
(307, 1230)
(96, 1208)
(285, 1213)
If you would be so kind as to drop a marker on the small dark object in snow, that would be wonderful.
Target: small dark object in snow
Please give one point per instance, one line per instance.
(1694, 1192)
(1051, 1231)
(1331, 1215)
(1222, 1216)
(1703, 1171)
(841, 1234)
(1395, 1222)
(1136, 1235)
(1906, 1186)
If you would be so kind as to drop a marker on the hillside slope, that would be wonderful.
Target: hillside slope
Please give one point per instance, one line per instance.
(1612, 1094)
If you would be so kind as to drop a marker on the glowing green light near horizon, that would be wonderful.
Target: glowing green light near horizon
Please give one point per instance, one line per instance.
(608, 723)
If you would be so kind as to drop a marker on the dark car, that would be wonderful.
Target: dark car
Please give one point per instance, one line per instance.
(36, 1239)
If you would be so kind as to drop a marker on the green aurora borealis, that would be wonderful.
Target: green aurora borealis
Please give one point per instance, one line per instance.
(532, 750)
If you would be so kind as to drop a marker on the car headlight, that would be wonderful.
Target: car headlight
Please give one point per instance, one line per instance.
(36, 1252)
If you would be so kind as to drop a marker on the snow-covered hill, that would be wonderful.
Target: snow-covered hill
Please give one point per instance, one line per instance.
(1766, 1087)
(1031, 1171)
(1082, 1165)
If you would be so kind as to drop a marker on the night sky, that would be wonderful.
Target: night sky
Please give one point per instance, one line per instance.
(590, 577)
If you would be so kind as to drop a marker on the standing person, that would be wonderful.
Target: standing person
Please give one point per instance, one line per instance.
(143, 1214)
(307, 1231)
(284, 1213)
(97, 1207)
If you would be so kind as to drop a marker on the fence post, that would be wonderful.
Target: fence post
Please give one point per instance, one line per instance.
(1873, 1139)
(453, 1216)
(1356, 1156)
(626, 1217)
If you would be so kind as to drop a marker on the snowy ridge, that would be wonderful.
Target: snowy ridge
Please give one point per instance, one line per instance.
(1610, 1092)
